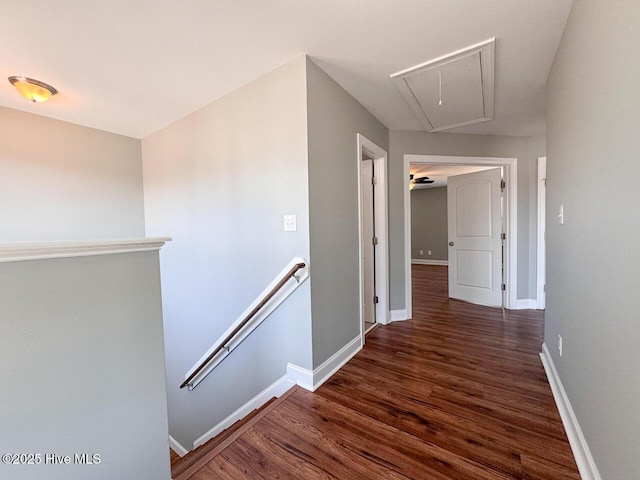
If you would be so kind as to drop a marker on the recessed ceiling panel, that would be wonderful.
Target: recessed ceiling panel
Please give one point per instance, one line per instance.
(450, 93)
(453, 90)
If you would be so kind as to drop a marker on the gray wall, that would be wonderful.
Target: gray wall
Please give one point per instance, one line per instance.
(593, 169)
(335, 118)
(429, 223)
(219, 182)
(82, 366)
(61, 181)
(525, 149)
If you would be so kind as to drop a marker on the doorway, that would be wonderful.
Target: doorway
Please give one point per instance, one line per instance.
(510, 217)
(368, 240)
(373, 219)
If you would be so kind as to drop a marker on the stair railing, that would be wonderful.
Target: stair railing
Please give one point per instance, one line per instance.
(225, 343)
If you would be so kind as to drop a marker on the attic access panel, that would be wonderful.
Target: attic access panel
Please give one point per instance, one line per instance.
(453, 90)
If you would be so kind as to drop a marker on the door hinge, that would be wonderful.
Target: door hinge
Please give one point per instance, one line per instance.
(375, 299)
(504, 287)
(374, 240)
(374, 181)
(503, 236)
(544, 288)
(503, 185)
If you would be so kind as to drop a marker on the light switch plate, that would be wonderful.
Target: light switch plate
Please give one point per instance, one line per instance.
(290, 223)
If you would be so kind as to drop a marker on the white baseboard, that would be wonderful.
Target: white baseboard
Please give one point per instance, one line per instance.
(300, 376)
(420, 261)
(584, 459)
(526, 304)
(176, 447)
(309, 380)
(276, 389)
(398, 315)
(312, 380)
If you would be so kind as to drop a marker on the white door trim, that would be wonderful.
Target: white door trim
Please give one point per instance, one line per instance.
(541, 271)
(379, 155)
(511, 264)
(368, 232)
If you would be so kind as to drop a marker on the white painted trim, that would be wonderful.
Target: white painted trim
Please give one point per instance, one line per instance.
(421, 261)
(379, 155)
(335, 362)
(276, 389)
(284, 293)
(18, 252)
(176, 447)
(370, 327)
(586, 464)
(447, 56)
(382, 250)
(511, 263)
(312, 380)
(541, 270)
(526, 304)
(408, 297)
(399, 315)
(300, 376)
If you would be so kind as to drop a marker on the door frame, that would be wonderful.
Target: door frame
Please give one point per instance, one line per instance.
(379, 156)
(511, 218)
(541, 271)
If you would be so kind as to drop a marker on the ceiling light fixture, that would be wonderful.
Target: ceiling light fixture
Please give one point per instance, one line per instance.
(440, 86)
(33, 90)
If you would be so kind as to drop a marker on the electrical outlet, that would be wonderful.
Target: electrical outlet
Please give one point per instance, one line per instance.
(428, 252)
(560, 344)
(421, 252)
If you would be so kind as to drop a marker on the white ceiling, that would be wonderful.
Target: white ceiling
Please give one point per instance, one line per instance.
(440, 173)
(134, 66)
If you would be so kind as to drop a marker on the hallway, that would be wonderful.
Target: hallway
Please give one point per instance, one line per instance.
(458, 392)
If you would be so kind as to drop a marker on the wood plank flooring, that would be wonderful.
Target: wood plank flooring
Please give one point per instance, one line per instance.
(181, 466)
(458, 392)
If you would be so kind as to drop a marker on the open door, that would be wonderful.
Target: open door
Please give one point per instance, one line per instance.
(475, 237)
(368, 245)
(542, 233)
(373, 219)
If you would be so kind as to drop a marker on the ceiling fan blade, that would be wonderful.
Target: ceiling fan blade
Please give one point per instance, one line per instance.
(423, 180)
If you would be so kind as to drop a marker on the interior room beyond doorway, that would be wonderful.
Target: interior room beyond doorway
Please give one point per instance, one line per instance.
(432, 216)
(428, 239)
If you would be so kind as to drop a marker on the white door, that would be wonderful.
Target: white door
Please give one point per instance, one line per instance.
(475, 237)
(542, 232)
(368, 248)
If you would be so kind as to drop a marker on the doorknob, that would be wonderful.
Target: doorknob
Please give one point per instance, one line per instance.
(451, 244)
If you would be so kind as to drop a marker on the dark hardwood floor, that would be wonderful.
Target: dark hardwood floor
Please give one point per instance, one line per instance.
(458, 392)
